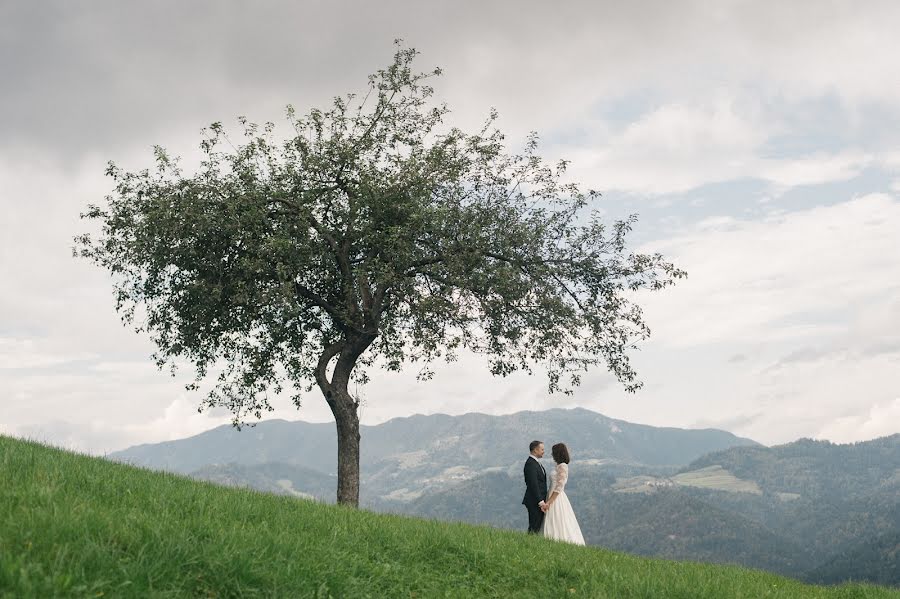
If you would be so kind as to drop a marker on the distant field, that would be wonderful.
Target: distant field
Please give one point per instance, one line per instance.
(76, 526)
(711, 477)
(716, 477)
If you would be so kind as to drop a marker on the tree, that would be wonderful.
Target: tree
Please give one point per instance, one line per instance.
(374, 235)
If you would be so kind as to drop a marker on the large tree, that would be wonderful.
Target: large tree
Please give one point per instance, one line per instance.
(374, 236)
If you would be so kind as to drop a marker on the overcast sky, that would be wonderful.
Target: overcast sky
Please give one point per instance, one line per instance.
(758, 141)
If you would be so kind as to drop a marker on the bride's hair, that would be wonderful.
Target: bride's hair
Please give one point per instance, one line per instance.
(560, 453)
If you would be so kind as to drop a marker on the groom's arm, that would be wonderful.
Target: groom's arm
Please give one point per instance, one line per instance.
(531, 480)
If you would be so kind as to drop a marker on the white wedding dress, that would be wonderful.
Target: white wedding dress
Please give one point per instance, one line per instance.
(559, 522)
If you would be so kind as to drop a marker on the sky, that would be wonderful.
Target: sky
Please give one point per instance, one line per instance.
(759, 143)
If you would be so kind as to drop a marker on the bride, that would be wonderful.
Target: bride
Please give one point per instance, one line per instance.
(559, 522)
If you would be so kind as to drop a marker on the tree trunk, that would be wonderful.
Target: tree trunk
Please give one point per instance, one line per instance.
(344, 408)
(347, 420)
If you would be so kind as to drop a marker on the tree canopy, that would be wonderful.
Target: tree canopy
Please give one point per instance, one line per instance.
(373, 236)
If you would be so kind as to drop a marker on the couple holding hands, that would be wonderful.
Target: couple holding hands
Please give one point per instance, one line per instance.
(550, 514)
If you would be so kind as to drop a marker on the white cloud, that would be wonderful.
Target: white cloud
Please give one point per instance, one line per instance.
(810, 170)
(709, 100)
(27, 353)
(879, 421)
(673, 148)
(823, 279)
(178, 420)
(789, 275)
(100, 433)
(676, 148)
(810, 300)
(813, 49)
(678, 129)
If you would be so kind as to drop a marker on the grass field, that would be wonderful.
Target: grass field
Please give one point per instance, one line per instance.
(716, 477)
(76, 526)
(711, 477)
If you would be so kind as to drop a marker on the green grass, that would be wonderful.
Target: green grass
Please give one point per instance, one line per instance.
(76, 526)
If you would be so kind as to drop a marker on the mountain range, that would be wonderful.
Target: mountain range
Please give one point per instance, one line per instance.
(404, 458)
(808, 509)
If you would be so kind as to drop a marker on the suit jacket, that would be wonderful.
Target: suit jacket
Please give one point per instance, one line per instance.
(535, 483)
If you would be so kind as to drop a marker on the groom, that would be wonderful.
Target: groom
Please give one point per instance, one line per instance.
(535, 487)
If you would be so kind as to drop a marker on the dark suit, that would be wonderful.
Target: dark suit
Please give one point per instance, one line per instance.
(535, 492)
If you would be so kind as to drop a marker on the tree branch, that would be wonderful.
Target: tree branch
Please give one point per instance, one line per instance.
(568, 291)
(337, 317)
(311, 220)
(415, 266)
(365, 292)
(341, 255)
(322, 369)
(378, 297)
(519, 261)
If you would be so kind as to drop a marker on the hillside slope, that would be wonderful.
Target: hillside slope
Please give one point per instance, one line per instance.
(72, 525)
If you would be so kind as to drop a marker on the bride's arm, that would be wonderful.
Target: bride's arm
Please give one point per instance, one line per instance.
(552, 497)
(562, 475)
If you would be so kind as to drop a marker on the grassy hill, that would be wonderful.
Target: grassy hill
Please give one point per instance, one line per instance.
(76, 526)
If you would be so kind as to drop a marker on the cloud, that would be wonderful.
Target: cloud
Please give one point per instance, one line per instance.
(816, 169)
(880, 420)
(824, 279)
(99, 434)
(785, 324)
(22, 354)
(809, 299)
(787, 276)
(178, 420)
(651, 98)
(672, 149)
(676, 148)
(737, 422)
(104, 76)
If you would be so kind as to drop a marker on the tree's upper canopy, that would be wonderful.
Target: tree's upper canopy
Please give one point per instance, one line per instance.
(374, 222)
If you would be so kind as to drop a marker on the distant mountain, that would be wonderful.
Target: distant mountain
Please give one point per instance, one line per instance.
(806, 508)
(813, 469)
(796, 508)
(405, 457)
(676, 525)
(665, 521)
(297, 443)
(831, 496)
(875, 560)
(272, 477)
